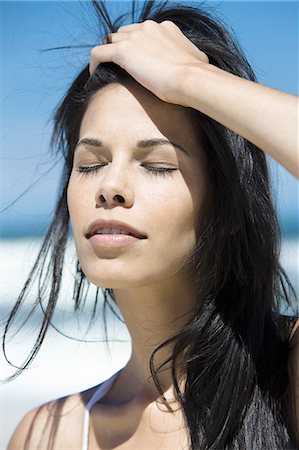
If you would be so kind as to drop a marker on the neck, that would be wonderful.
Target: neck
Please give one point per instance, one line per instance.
(153, 314)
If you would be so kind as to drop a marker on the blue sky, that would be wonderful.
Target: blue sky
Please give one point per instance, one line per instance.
(33, 81)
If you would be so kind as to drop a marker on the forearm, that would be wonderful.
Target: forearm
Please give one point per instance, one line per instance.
(266, 117)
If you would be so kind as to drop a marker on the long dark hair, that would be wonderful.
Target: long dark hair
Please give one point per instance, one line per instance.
(235, 350)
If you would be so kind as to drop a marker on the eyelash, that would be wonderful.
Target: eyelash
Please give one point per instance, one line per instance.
(152, 170)
(88, 170)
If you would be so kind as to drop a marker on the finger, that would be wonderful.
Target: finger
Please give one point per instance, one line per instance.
(100, 54)
(111, 38)
(169, 24)
(203, 57)
(130, 27)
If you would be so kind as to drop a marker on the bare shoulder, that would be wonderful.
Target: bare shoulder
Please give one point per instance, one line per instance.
(53, 425)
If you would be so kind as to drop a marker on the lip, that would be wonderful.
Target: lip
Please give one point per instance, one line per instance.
(101, 223)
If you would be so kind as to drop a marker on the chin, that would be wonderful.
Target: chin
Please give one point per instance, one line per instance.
(104, 279)
(121, 273)
(121, 279)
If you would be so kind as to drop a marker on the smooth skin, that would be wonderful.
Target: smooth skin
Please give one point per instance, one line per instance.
(163, 61)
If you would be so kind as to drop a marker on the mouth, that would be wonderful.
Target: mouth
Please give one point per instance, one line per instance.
(114, 227)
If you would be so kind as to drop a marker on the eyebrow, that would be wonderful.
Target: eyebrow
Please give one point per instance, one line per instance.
(142, 144)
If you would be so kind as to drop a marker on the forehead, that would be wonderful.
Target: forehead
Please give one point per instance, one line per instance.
(137, 114)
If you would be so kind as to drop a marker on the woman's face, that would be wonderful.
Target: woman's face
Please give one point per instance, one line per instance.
(134, 202)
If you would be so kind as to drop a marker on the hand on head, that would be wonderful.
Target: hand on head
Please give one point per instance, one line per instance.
(152, 53)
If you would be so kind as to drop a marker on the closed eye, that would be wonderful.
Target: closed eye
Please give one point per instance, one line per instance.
(152, 170)
(157, 170)
(90, 169)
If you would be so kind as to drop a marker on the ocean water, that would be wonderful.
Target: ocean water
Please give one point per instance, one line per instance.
(67, 364)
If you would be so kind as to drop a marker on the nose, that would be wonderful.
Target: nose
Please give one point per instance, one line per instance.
(115, 189)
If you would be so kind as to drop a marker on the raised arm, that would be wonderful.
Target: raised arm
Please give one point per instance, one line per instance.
(266, 117)
(164, 61)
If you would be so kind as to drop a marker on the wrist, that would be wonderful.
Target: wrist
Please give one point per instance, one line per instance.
(192, 84)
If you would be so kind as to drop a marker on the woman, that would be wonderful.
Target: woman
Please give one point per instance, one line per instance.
(166, 187)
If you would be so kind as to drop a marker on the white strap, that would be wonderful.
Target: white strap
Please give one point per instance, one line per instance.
(99, 393)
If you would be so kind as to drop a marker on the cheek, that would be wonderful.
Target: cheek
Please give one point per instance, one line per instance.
(179, 218)
(178, 206)
(73, 205)
(173, 221)
(79, 200)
